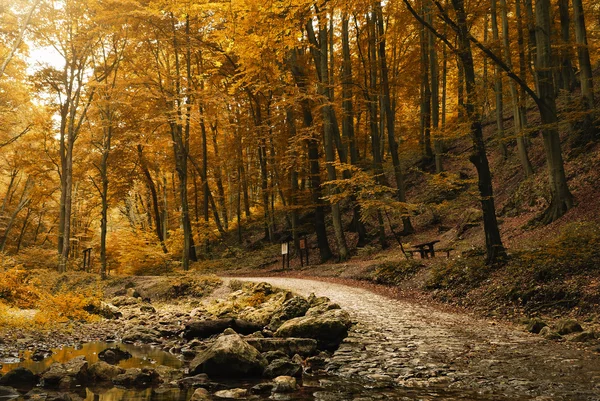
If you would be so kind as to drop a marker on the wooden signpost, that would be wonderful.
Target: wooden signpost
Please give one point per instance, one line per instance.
(285, 254)
(303, 250)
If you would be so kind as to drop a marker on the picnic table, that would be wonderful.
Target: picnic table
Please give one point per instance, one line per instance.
(425, 249)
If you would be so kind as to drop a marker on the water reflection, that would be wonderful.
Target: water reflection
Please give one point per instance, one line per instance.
(150, 394)
(316, 388)
(142, 356)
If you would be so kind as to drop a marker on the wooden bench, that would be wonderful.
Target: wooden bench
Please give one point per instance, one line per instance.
(426, 249)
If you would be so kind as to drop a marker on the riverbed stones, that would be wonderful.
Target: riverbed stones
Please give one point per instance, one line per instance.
(147, 308)
(262, 388)
(535, 325)
(232, 394)
(58, 374)
(582, 337)
(548, 334)
(103, 372)
(8, 392)
(113, 355)
(124, 301)
(200, 395)
(329, 328)
(137, 377)
(294, 307)
(284, 384)
(290, 346)
(142, 335)
(229, 355)
(19, 377)
(283, 367)
(211, 327)
(568, 326)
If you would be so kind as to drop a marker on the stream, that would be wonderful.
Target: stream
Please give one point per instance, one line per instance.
(397, 350)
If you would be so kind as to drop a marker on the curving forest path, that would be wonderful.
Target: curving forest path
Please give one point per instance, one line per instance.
(420, 346)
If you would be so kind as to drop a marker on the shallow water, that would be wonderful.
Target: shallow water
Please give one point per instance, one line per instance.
(314, 388)
(142, 356)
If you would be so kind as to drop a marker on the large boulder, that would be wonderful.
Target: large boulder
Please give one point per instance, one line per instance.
(329, 328)
(75, 370)
(103, 372)
(229, 355)
(211, 327)
(19, 377)
(113, 355)
(294, 307)
(142, 335)
(283, 367)
(104, 309)
(536, 325)
(568, 326)
(200, 395)
(289, 346)
(284, 384)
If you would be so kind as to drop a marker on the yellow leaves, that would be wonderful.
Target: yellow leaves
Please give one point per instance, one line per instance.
(65, 306)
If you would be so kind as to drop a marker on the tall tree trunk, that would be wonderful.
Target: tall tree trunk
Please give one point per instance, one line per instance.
(438, 146)
(567, 74)
(498, 87)
(589, 130)
(219, 177)
(495, 248)
(348, 124)
(328, 140)
(562, 200)
(23, 229)
(518, 118)
(390, 120)
(23, 202)
(313, 158)
(371, 97)
(154, 195)
(426, 149)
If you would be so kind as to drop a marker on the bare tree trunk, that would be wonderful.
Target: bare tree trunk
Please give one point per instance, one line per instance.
(23, 228)
(219, 177)
(160, 233)
(329, 141)
(398, 175)
(498, 87)
(562, 200)
(518, 118)
(590, 129)
(313, 157)
(567, 74)
(348, 124)
(494, 246)
(426, 150)
(23, 202)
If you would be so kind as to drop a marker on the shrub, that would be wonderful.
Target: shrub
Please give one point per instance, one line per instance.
(236, 285)
(458, 274)
(18, 289)
(35, 257)
(394, 272)
(65, 306)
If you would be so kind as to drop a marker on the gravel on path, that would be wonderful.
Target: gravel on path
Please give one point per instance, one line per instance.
(418, 345)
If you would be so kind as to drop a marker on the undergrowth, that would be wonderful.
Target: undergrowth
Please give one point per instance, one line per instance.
(50, 297)
(560, 274)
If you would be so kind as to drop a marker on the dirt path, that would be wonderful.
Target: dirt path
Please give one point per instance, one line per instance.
(416, 345)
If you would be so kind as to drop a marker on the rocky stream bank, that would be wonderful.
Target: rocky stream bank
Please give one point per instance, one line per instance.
(272, 338)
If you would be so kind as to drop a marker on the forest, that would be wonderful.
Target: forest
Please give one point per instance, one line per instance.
(241, 199)
(152, 130)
